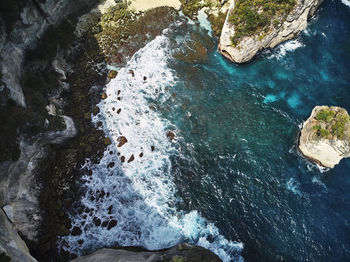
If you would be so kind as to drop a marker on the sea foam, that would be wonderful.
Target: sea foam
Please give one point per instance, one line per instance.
(288, 46)
(134, 203)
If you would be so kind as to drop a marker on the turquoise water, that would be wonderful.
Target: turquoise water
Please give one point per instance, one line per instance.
(232, 180)
(239, 127)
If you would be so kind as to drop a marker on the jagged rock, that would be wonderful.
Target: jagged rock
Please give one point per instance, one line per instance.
(249, 46)
(104, 96)
(182, 252)
(122, 140)
(95, 110)
(132, 158)
(11, 245)
(325, 136)
(112, 74)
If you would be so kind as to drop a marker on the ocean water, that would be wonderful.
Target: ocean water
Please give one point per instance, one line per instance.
(232, 179)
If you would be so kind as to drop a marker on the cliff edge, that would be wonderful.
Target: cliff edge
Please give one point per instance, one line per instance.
(325, 136)
(252, 25)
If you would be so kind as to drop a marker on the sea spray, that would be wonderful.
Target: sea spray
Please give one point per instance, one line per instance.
(133, 203)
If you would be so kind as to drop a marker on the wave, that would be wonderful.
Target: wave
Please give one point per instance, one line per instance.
(294, 186)
(288, 46)
(346, 2)
(134, 203)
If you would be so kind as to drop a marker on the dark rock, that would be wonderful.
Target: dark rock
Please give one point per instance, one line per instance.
(141, 155)
(132, 158)
(96, 221)
(80, 241)
(110, 165)
(111, 224)
(112, 74)
(118, 111)
(104, 96)
(110, 209)
(122, 140)
(96, 110)
(118, 98)
(122, 159)
(107, 141)
(152, 148)
(118, 92)
(104, 224)
(99, 123)
(132, 72)
(144, 78)
(170, 135)
(113, 108)
(76, 231)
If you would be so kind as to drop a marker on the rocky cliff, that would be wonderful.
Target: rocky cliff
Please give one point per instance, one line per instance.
(241, 40)
(179, 253)
(22, 23)
(325, 136)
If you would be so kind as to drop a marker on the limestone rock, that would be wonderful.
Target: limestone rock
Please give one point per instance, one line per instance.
(325, 136)
(249, 46)
(182, 252)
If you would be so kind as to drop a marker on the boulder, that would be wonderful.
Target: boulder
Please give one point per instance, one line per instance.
(325, 136)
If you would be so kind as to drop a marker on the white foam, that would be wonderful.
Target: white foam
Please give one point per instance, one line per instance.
(346, 2)
(288, 46)
(294, 186)
(142, 192)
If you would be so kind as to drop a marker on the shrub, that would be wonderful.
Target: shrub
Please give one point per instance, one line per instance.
(325, 115)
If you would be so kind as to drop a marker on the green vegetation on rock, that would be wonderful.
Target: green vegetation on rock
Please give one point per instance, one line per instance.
(255, 17)
(331, 123)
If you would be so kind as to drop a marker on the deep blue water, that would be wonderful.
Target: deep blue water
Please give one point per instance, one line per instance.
(239, 126)
(233, 173)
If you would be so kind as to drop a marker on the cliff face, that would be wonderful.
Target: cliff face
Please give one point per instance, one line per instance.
(249, 46)
(325, 136)
(23, 23)
(179, 253)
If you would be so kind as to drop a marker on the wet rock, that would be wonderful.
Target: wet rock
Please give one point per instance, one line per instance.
(118, 111)
(118, 92)
(110, 165)
(107, 141)
(104, 96)
(96, 221)
(122, 140)
(132, 158)
(170, 135)
(96, 110)
(76, 231)
(110, 209)
(122, 159)
(87, 116)
(141, 155)
(111, 224)
(118, 98)
(80, 241)
(132, 72)
(99, 123)
(104, 224)
(152, 148)
(112, 74)
(113, 108)
(144, 78)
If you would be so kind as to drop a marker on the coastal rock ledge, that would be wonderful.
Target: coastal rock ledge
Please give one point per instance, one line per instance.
(252, 35)
(325, 136)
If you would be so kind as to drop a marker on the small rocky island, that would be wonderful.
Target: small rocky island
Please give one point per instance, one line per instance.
(325, 136)
(253, 25)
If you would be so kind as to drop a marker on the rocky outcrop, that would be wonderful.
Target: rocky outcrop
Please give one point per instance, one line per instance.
(179, 253)
(24, 23)
(18, 188)
(249, 46)
(325, 136)
(11, 245)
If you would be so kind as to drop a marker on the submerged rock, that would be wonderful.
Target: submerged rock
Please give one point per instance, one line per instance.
(182, 252)
(112, 74)
(241, 43)
(325, 136)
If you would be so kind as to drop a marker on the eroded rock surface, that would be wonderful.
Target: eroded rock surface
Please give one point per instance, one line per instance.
(249, 46)
(182, 252)
(325, 136)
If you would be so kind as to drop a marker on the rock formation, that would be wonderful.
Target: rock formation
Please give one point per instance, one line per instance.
(325, 136)
(182, 252)
(278, 31)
